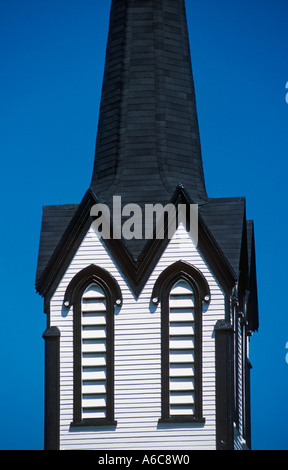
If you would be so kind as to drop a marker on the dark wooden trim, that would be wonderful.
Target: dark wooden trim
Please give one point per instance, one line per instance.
(224, 385)
(92, 273)
(52, 388)
(177, 270)
(73, 296)
(161, 293)
(85, 423)
(182, 420)
(247, 409)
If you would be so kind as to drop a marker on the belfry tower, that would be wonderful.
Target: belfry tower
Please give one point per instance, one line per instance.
(147, 339)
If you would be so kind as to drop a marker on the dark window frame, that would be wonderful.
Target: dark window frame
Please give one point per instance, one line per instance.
(73, 296)
(181, 270)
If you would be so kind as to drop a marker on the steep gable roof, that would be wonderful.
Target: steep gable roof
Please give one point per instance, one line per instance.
(78, 221)
(224, 217)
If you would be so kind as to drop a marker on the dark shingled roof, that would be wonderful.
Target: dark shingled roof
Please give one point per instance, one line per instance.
(225, 218)
(148, 137)
(55, 220)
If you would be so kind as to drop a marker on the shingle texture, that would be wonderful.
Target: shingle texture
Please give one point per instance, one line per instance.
(55, 220)
(225, 218)
(148, 138)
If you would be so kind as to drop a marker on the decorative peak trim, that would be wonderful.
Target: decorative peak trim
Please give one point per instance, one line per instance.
(88, 275)
(181, 270)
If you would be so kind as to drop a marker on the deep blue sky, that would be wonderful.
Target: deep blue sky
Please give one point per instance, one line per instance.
(52, 56)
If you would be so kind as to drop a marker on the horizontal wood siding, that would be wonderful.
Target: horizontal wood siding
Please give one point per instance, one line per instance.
(137, 358)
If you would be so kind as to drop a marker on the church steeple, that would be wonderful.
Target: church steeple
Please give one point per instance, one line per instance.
(148, 136)
(148, 332)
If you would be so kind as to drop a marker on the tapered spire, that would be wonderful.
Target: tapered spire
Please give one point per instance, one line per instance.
(148, 137)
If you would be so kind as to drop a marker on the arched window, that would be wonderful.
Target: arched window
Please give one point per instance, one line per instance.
(181, 289)
(93, 293)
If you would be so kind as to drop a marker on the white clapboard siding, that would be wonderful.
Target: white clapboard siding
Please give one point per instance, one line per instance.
(137, 357)
(181, 361)
(94, 366)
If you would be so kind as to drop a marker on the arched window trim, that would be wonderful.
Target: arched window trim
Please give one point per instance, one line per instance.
(181, 270)
(188, 272)
(94, 274)
(73, 296)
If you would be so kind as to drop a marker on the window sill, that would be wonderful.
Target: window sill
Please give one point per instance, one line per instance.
(181, 420)
(93, 423)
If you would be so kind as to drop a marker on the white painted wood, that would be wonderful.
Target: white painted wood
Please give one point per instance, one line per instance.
(181, 384)
(180, 315)
(137, 358)
(94, 401)
(181, 357)
(90, 345)
(182, 302)
(183, 370)
(181, 398)
(178, 411)
(181, 329)
(93, 305)
(91, 373)
(93, 386)
(93, 319)
(92, 360)
(89, 332)
(181, 343)
(89, 413)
